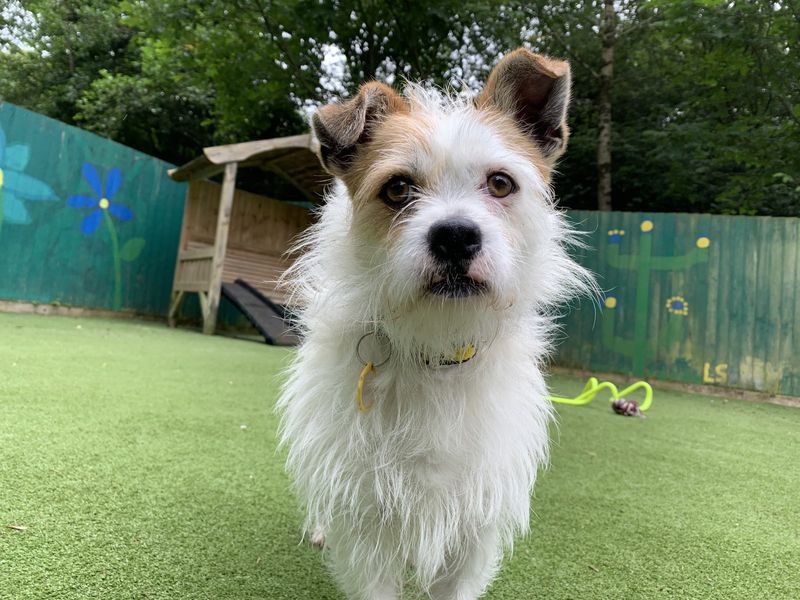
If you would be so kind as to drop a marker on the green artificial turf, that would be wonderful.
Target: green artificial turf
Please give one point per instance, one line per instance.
(142, 463)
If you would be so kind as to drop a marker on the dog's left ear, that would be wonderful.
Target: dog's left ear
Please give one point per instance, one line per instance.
(534, 89)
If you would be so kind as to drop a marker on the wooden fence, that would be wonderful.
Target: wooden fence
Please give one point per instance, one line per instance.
(694, 298)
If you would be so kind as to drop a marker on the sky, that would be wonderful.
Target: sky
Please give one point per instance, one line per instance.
(15, 18)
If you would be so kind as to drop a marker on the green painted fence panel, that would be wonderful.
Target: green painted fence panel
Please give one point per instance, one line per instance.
(83, 221)
(694, 298)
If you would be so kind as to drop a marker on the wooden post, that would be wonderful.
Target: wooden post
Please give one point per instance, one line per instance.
(220, 246)
(203, 305)
(174, 306)
(177, 296)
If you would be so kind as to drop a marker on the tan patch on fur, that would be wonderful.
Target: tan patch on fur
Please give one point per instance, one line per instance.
(346, 121)
(396, 147)
(516, 138)
(399, 145)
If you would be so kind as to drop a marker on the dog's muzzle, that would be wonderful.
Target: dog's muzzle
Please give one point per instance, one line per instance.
(454, 243)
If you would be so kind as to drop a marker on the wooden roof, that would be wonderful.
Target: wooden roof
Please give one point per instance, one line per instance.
(294, 158)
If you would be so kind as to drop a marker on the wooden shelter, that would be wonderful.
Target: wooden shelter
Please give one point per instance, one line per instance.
(230, 234)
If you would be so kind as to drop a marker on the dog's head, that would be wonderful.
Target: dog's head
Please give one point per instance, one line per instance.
(451, 207)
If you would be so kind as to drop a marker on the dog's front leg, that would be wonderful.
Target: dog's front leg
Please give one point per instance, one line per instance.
(470, 570)
(361, 568)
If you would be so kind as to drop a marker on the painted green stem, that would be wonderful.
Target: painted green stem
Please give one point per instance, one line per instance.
(642, 304)
(112, 233)
(670, 263)
(675, 328)
(1, 209)
(617, 344)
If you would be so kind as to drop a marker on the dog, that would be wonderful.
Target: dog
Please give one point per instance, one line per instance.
(415, 411)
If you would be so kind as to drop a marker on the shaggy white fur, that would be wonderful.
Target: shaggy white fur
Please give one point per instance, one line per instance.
(435, 480)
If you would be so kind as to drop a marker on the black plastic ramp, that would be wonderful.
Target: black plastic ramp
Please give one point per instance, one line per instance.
(269, 318)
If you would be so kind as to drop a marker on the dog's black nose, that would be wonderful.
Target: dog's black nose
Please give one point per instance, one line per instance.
(454, 241)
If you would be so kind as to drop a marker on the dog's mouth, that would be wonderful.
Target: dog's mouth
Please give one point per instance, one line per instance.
(456, 285)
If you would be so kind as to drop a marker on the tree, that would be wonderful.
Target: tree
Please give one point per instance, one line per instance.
(587, 33)
(79, 62)
(160, 76)
(605, 77)
(711, 101)
(702, 95)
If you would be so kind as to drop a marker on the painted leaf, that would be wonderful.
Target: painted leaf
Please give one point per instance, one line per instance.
(132, 249)
(17, 156)
(27, 187)
(14, 210)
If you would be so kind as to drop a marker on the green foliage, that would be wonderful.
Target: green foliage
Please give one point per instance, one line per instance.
(706, 101)
(718, 122)
(66, 44)
(706, 104)
(81, 63)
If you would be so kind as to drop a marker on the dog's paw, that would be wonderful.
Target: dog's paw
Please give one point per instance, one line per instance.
(317, 536)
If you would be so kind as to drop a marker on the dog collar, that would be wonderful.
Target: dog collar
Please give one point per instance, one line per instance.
(459, 356)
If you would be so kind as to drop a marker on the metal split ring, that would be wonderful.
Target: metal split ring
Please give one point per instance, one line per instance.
(361, 358)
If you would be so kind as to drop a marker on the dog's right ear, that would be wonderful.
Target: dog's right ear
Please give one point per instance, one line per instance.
(342, 127)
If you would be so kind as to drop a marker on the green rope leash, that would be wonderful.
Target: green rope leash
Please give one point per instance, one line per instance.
(593, 387)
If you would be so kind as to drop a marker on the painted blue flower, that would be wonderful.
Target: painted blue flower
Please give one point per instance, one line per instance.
(101, 201)
(16, 186)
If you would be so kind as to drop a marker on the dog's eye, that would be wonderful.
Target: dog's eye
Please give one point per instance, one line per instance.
(397, 191)
(500, 185)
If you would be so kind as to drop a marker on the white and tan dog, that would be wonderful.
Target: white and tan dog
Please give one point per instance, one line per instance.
(415, 413)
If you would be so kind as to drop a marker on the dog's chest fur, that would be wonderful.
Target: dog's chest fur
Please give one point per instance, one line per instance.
(442, 453)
